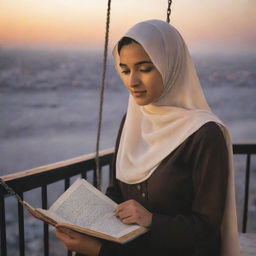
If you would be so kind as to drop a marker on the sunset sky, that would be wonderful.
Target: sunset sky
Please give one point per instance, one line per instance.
(205, 24)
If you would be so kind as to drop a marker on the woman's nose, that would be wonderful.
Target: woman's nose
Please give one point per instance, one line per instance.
(133, 80)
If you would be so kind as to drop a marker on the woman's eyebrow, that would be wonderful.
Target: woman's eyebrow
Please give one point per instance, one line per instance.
(137, 63)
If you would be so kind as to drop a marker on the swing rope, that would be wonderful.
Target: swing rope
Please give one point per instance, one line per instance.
(169, 11)
(102, 96)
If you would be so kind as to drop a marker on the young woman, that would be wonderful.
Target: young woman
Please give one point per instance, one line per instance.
(173, 158)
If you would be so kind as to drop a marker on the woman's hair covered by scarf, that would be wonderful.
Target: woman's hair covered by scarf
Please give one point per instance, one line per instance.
(168, 51)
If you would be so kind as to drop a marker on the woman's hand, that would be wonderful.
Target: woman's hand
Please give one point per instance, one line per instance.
(77, 242)
(132, 212)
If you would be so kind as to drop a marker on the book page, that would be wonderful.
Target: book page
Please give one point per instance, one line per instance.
(85, 206)
(37, 214)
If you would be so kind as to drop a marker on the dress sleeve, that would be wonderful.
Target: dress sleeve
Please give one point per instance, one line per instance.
(208, 160)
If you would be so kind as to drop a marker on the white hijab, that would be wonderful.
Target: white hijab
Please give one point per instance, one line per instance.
(152, 132)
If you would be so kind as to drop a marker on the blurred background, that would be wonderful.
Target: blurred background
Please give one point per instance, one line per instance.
(51, 64)
(51, 55)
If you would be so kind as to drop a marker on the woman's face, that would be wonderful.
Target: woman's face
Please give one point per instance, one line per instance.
(139, 74)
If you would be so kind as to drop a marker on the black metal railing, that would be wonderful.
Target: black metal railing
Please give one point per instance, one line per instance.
(248, 150)
(42, 176)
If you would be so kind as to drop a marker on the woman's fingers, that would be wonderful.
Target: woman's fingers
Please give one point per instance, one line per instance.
(132, 212)
(64, 237)
(126, 207)
(123, 214)
(77, 242)
(127, 217)
(66, 232)
(129, 220)
(130, 202)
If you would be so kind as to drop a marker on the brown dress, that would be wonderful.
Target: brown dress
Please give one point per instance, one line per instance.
(186, 195)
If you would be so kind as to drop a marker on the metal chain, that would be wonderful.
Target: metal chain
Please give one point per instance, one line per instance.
(10, 191)
(102, 95)
(169, 11)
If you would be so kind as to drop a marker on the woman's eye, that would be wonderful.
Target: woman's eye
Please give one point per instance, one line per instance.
(125, 71)
(146, 70)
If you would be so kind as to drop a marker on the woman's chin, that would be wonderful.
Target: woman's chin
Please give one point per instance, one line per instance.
(142, 101)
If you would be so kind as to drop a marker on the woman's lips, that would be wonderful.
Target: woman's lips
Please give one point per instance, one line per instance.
(138, 93)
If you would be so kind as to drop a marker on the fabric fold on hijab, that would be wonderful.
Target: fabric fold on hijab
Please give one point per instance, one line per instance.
(152, 132)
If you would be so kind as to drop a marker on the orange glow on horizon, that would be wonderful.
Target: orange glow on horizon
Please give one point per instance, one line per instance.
(80, 23)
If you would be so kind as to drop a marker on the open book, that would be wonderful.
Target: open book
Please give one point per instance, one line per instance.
(85, 209)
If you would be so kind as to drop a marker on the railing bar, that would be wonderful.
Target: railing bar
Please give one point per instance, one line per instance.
(2, 226)
(246, 192)
(21, 227)
(84, 175)
(95, 177)
(100, 178)
(111, 174)
(67, 183)
(46, 227)
(85, 162)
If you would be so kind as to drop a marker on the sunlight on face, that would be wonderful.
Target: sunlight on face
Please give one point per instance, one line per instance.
(139, 74)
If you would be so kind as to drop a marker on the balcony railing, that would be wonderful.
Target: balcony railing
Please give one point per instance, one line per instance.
(83, 166)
